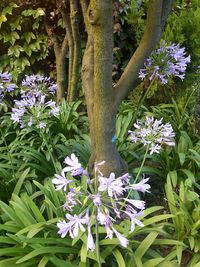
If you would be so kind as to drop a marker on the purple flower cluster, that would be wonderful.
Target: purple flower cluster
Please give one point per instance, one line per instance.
(38, 84)
(165, 63)
(6, 86)
(154, 133)
(103, 202)
(35, 106)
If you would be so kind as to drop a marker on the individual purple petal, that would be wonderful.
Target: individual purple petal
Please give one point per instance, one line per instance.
(142, 186)
(90, 240)
(133, 214)
(123, 241)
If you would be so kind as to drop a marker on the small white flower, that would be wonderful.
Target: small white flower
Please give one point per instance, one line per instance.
(112, 185)
(142, 186)
(154, 148)
(75, 223)
(74, 166)
(139, 204)
(153, 132)
(96, 167)
(123, 241)
(61, 182)
(90, 240)
(133, 214)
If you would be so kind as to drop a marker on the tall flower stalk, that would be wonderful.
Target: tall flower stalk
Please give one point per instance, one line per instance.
(97, 201)
(102, 203)
(96, 185)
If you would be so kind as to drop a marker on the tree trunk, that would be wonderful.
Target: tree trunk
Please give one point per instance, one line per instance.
(101, 112)
(61, 69)
(102, 99)
(75, 68)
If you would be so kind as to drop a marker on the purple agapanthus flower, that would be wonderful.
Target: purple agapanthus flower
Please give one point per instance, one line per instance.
(35, 102)
(74, 167)
(100, 202)
(38, 84)
(123, 241)
(96, 200)
(142, 186)
(165, 62)
(90, 240)
(73, 225)
(70, 200)
(61, 182)
(154, 133)
(134, 215)
(114, 186)
(139, 204)
(10, 87)
(6, 86)
(5, 77)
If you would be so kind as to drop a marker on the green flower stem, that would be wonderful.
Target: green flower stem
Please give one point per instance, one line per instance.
(140, 169)
(142, 164)
(141, 101)
(47, 145)
(97, 239)
(96, 223)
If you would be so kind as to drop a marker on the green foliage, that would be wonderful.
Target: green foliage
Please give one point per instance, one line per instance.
(40, 152)
(28, 233)
(22, 39)
(143, 249)
(135, 14)
(184, 204)
(72, 119)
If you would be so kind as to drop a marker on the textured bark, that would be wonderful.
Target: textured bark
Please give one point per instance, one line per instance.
(88, 87)
(100, 110)
(66, 17)
(61, 79)
(101, 98)
(88, 81)
(60, 51)
(75, 68)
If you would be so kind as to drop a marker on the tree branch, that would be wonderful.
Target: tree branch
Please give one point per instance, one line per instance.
(156, 17)
(69, 36)
(167, 6)
(74, 19)
(84, 7)
(52, 36)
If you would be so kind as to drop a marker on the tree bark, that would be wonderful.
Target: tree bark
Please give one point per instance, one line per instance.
(88, 80)
(60, 51)
(102, 99)
(66, 17)
(61, 79)
(99, 98)
(75, 68)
